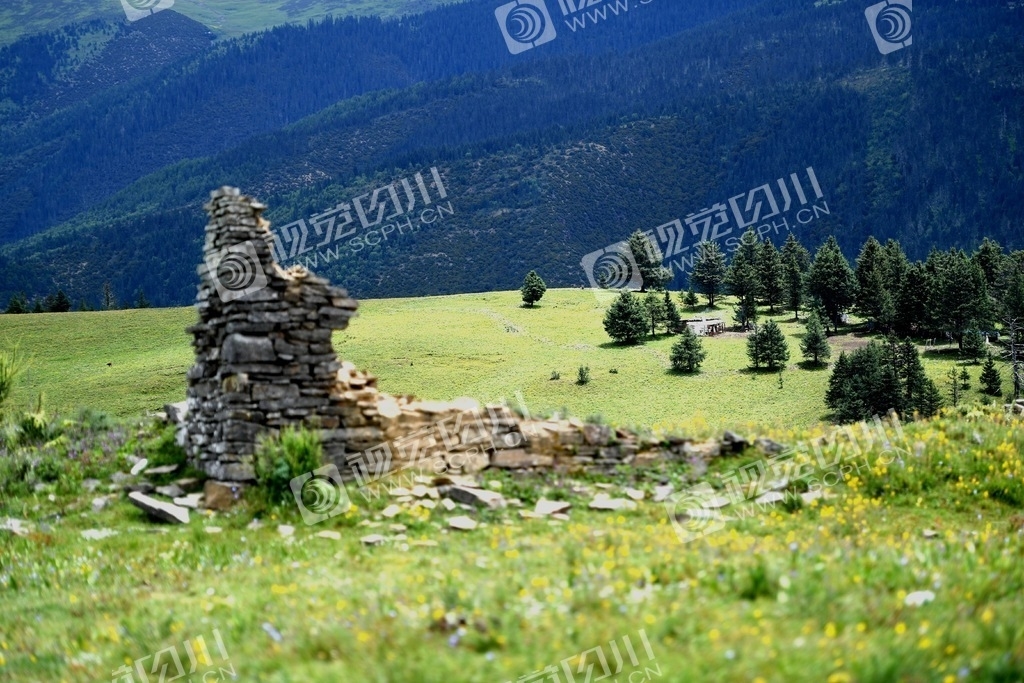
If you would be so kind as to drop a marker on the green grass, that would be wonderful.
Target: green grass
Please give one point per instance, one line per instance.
(817, 594)
(229, 18)
(481, 345)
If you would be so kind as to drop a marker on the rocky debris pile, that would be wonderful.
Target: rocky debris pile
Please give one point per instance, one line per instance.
(1015, 408)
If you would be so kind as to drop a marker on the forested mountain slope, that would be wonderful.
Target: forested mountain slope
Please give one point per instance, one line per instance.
(922, 145)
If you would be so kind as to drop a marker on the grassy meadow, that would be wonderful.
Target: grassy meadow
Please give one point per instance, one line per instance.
(913, 570)
(130, 362)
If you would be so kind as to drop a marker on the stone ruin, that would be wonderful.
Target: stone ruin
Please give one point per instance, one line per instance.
(264, 361)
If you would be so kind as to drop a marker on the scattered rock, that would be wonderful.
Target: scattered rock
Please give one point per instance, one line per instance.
(90, 485)
(161, 471)
(98, 534)
(171, 491)
(329, 535)
(373, 539)
(176, 412)
(635, 494)
(603, 502)
(120, 478)
(662, 493)
(391, 511)
(398, 528)
(425, 503)
(770, 447)
(520, 459)
(254, 525)
(733, 442)
(98, 504)
(165, 512)
(551, 507)
(140, 487)
(212, 529)
(930, 533)
(462, 523)
(482, 498)
(918, 598)
(191, 501)
(139, 467)
(274, 634)
(770, 498)
(448, 504)
(285, 530)
(221, 495)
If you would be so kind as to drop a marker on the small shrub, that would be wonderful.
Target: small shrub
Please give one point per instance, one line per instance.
(93, 420)
(614, 371)
(12, 364)
(163, 449)
(583, 376)
(758, 583)
(555, 376)
(281, 458)
(35, 427)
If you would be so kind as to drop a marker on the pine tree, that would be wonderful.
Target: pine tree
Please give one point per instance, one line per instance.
(815, 346)
(532, 290)
(795, 285)
(626, 320)
(654, 308)
(792, 249)
(953, 382)
(688, 353)
(959, 294)
(965, 379)
(140, 300)
(673, 321)
(989, 258)
(745, 312)
(832, 282)
(109, 302)
(912, 301)
(57, 303)
(17, 305)
(973, 346)
(690, 300)
(770, 275)
(774, 346)
(37, 307)
(870, 279)
(648, 258)
(709, 270)
(991, 381)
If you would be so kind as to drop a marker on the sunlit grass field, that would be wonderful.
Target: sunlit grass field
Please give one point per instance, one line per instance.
(486, 346)
(822, 593)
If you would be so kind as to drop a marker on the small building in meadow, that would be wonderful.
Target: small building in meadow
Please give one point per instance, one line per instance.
(706, 327)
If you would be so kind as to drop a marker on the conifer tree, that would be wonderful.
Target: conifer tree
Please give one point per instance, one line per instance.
(673, 321)
(648, 258)
(532, 290)
(832, 282)
(688, 353)
(654, 308)
(626, 320)
(770, 275)
(815, 346)
(709, 271)
(991, 381)
(690, 300)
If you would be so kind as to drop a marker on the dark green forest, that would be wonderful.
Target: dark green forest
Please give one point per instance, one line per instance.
(546, 157)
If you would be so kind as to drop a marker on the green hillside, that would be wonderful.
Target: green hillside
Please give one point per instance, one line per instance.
(132, 361)
(228, 18)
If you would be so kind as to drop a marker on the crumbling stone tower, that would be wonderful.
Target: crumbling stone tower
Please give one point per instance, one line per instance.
(264, 358)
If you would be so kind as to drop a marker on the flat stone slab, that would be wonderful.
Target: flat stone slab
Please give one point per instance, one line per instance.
(98, 534)
(463, 523)
(482, 498)
(158, 509)
(191, 501)
(162, 470)
(611, 504)
(551, 507)
(373, 539)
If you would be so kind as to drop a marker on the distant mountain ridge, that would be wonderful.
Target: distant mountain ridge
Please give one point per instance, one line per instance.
(567, 150)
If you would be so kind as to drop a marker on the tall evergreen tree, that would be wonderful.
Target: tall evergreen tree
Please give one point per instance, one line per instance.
(18, 304)
(832, 282)
(989, 258)
(57, 303)
(959, 295)
(690, 300)
(912, 301)
(973, 346)
(626, 319)
(991, 381)
(709, 270)
(532, 290)
(871, 279)
(795, 285)
(654, 308)
(795, 250)
(648, 260)
(815, 346)
(673, 321)
(109, 302)
(688, 353)
(767, 346)
(770, 275)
